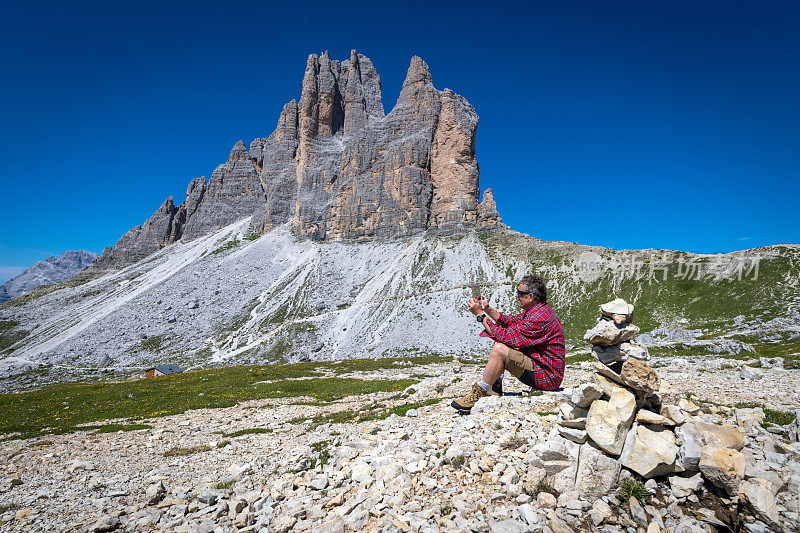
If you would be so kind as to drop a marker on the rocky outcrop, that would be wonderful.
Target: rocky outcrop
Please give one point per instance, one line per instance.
(487, 210)
(338, 168)
(233, 192)
(51, 270)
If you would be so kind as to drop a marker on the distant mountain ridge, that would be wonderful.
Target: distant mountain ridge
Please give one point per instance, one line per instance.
(51, 270)
(337, 168)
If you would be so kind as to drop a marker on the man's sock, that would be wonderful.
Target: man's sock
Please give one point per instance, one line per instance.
(485, 386)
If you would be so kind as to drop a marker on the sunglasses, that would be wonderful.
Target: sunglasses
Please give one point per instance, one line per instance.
(520, 293)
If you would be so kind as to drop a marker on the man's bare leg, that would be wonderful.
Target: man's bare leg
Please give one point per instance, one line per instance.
(494, 369)
(496, 364)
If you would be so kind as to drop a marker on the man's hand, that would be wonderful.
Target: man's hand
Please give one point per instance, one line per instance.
(475, 307)
(491, 313)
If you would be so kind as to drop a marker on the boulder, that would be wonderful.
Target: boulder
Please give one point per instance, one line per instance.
(105, 523)
(609, 354)
(600, 511)
(608, 421)
(771, 362)
(684, 486)
(608, 373)
(637, 512)
(155, 493)
(606, 333)
(724, 468)
(584, 395)
(758, 494)
(794, 428)
(673, 413)
(574, 434)
(578, 423)
(649, 417)
(633, 349)
(688, 407)
(572, 412)
(639, 376)
(361, 472)
(597, 473)
(695, 435)
(545, 500)
(617, 307)
(606, 383)
(649, 451)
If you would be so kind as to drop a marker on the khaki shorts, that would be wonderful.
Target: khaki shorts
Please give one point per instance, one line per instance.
(527, 370)
(517, 363)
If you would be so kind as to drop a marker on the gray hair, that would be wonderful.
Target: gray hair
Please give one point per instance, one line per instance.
(536, 285)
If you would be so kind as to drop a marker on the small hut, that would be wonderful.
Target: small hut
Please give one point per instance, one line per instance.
(162, 370)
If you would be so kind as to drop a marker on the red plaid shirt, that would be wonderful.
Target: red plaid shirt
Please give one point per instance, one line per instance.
(538, 334)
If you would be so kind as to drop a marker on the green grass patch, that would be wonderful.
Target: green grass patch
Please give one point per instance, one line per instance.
(179, 452)
(579, 358)
(249, 431)
(6, 325)
(681, 350)
(251, 236)
(65, 407)
(633, 488)
(224, 485)
(545, 486)
(154, 343)
(772, 417)
(382, 363)
(226, 246)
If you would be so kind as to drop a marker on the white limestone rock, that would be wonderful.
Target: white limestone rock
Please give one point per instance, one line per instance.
(606, 333)
(724, 468)
(617, 307)
(608, 421)
(682, 487)
(649, 452)
(584, 395)
(597, 473)
(693, 436)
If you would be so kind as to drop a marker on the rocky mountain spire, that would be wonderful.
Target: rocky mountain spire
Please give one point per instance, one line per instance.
(337, 167)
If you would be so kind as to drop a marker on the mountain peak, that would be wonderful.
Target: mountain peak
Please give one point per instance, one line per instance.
(336, 167)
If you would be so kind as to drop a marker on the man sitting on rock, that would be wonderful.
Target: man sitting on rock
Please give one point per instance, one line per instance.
(529, 345)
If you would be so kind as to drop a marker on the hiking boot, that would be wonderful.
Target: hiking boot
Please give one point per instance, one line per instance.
(497, 387)
(465, 403)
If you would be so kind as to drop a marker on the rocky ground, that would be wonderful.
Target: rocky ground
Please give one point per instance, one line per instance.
(429, 470)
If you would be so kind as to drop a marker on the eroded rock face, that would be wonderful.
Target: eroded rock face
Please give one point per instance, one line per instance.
(141, 241)
(487, 210)
(234, 188)
(338, 168)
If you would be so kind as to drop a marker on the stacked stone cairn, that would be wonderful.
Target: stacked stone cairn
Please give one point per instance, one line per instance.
(623, 414)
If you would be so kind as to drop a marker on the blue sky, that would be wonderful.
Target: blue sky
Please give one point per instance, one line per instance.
(626, 124)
